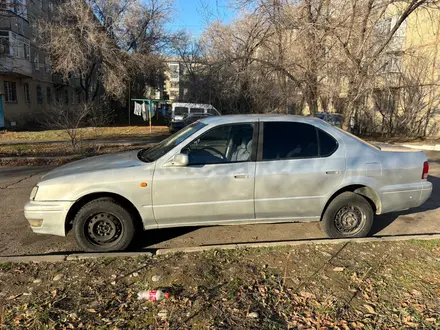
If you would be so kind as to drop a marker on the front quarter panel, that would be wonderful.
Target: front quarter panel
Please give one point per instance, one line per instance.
(125, 182)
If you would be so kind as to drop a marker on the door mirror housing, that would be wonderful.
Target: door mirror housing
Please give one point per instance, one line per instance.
(179, 160)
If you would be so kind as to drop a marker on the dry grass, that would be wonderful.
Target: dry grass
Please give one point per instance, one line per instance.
(352, 286)
(104, 133)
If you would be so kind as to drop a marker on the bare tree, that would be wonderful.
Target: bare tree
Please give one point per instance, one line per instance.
(96, 40)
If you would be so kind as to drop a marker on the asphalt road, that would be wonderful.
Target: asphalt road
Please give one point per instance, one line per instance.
(16, 238)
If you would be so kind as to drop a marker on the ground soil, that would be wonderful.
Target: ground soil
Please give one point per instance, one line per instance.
(390, 285)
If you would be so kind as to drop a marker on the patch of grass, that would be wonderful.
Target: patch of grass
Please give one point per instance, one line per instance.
(382, 286)
(85, 133)
(427, 244)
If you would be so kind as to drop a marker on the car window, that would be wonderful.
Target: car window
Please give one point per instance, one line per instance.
(180, 111)
(154, 153)
(213, 112)
(327, 144)
(222, 144)
(197, 110)
(289, 140)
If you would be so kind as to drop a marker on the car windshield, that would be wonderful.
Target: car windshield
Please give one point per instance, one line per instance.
(154, 153)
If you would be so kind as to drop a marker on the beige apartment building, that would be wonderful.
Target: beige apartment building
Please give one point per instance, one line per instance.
(27, 85)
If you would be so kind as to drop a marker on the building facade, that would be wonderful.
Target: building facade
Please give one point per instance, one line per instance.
(27, 86)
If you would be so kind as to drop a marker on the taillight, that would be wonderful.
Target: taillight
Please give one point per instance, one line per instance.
(425, 170)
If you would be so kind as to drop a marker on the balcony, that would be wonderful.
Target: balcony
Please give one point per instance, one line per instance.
(10, 65)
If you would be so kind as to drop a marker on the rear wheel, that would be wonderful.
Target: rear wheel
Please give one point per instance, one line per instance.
(103, 225)
(348, 215)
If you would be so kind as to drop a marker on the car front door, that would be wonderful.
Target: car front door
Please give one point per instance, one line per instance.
(217, 186)
(298, 166)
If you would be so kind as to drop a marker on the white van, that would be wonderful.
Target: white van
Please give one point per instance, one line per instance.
(179, 110)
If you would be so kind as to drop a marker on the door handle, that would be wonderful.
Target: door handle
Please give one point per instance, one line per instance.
(241, 176)
(332, 172)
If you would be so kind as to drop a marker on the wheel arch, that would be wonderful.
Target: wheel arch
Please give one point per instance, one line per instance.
(367, 192)
(124, 202)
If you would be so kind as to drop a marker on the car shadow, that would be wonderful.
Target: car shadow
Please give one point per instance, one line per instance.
(383, 221)
(155, 236)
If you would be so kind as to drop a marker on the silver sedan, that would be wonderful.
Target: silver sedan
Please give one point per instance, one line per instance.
(228, 170)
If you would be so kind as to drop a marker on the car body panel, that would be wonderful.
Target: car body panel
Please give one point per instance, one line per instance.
(214, 192)
(265, 191)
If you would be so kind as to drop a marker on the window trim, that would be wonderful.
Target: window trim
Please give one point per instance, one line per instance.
(255, 136)
(261, 144)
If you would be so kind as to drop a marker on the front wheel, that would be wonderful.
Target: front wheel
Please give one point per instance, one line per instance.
(103, 225)
(348, 215)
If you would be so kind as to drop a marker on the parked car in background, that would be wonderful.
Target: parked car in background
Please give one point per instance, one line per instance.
(224, 170)
(187, 120)
(179, 110)
(334, 119)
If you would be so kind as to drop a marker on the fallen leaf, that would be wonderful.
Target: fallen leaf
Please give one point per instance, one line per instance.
(370, 309)
(430, 319)
(91, 310)
(338, 269)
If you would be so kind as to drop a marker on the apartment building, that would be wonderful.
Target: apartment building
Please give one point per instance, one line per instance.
(174, 87)
(27, 85)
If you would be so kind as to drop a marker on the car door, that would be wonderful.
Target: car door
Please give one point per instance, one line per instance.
(298, 166)
(217, 186)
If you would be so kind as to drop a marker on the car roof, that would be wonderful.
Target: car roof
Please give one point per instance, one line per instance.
(228, 119)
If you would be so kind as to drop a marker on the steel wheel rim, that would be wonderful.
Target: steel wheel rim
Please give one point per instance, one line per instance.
(103, 229)
(350, 220)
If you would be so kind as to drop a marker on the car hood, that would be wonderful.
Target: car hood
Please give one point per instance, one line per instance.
(97, 163)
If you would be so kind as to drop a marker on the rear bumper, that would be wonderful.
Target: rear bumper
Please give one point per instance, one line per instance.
(402, 197)
(425, 192)
(52, 216)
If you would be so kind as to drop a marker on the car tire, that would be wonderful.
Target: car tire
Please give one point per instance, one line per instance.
(103, 225)
(348, 215)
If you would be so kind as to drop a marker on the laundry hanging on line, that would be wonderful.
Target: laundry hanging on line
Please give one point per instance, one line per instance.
(137, 109)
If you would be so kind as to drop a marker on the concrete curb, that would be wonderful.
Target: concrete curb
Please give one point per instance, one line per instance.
(427, 147)
(296, 243)
(86, 256)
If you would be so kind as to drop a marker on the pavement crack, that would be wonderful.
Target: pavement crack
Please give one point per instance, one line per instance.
(21, 180)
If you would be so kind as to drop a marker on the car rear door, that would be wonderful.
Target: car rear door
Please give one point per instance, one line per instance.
(298, 166)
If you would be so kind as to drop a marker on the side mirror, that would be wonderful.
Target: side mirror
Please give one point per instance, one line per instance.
(179, 160)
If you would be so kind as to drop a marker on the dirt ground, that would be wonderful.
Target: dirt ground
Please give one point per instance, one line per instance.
(349, 286)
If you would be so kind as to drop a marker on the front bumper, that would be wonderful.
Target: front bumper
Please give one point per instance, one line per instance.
(52, 214)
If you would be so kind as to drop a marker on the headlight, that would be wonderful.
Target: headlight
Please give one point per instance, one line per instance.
(34, 193)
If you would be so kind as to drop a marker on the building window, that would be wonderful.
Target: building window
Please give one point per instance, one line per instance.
(4, 43)
(37, 62)
(66, 96)
(27, 96)
(50, 6)
(39, 95)
(78, 97)
(47, 64)
(174, 84)
(4, 4)
(10, 92)
(49, 95)
(34, 31)
(174, 68)
(27, 53)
